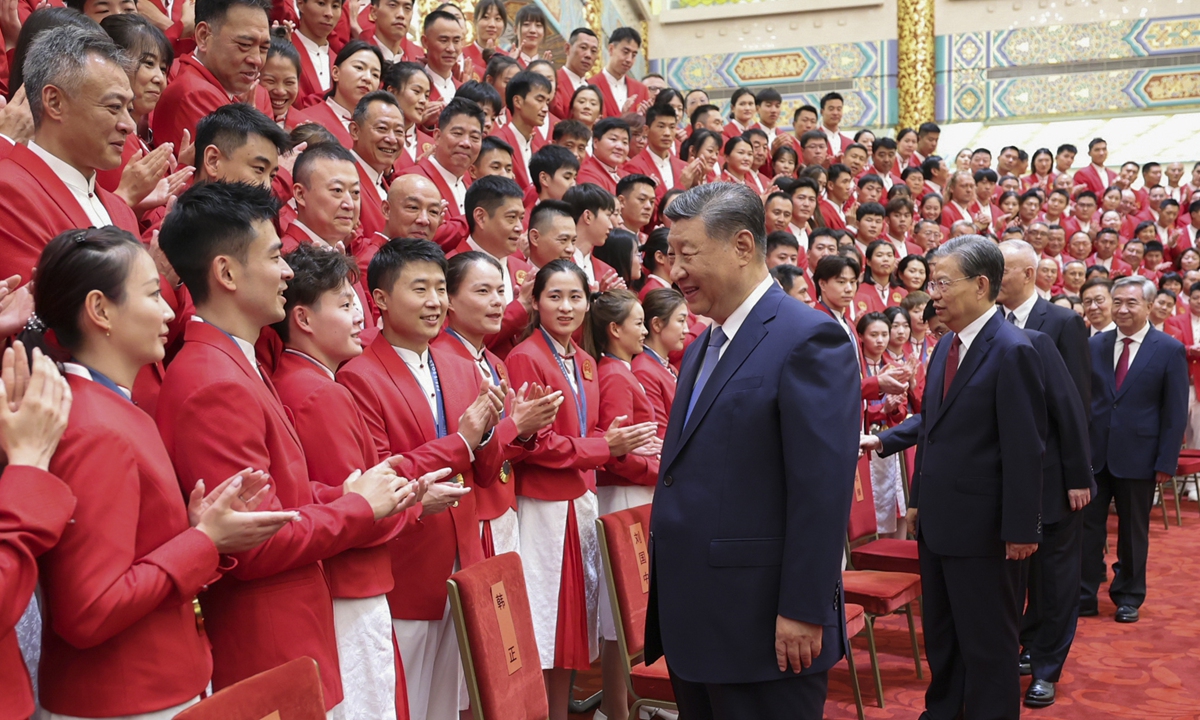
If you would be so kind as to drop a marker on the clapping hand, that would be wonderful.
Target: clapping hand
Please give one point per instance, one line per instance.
(34, 407)
(534, 407)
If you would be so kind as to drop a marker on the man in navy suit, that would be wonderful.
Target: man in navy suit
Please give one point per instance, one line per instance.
(753, 494)
(1052, 612)
(1139, 414)
(977, 489)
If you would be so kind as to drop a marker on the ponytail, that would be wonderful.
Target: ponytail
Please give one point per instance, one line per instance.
(608, 307)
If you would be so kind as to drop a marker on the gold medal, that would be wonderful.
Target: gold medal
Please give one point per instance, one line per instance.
(505, 472)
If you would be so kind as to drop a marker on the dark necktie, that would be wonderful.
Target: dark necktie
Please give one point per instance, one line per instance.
(1012, 316)
(712, 353)
(951, 365)
(1123, 362)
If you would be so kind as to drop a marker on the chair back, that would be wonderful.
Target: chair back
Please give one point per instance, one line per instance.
(862, 503)
(491, 613)
(291, 691)
(624, 547)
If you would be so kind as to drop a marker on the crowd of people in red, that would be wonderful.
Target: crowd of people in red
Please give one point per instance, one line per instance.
(414, 299)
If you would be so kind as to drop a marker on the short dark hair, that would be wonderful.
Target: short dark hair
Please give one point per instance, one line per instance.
(547, 209)
(230, 126)
(835, 171)
(570, 129)
(550, 159)
(767, 95)
(607, 125)
(316, 271)
(725, 209)
(482, 94)
(786, 276)
(491, 143)
(930, 166)
(868, 179)
(456, 107)
(588, 196)
(581, 31)
(529, 13)
(622, 34)
(1066, 147)
(212, 219)
(391, 259)
(1096, 282)
(812, 136)
(489, 192)
(628, 182)
(831, 96)
(396, 75)
(701, 111)
(803, 108)
(302, 170)
(883, 143)
(359, 117)
(928, 128)
(213, 12)
(782, 238)
(434, 16)
(656, 111)
(1094, 142)
(280, 47)
(831, 266)
(871, 208)
(524, 83)
(986, 175)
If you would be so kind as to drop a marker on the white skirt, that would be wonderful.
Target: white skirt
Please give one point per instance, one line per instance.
(543, 525)
(1192, 436)
(506, 535)
(363, 627)
(164, 714)
(615, 498)
(889, 492)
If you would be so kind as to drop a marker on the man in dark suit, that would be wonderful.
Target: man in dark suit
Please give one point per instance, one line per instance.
(754, 488)
(1052, 611)
(977, 489)
(1139, 414)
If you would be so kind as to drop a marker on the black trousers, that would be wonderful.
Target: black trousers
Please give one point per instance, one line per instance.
(1133, 499)
(972, 621)
(1048, 628)
(801, 697)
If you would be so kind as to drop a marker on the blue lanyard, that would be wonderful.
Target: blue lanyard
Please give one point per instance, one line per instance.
(871, 373)
(660, 361)
(101, 379)
(491, 367)
(441, 402)
(580, 394)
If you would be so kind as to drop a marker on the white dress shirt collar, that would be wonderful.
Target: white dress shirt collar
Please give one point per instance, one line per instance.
(455, 184)
(319, 55)
(342, 113)
(84, 372)
(1022, 311)
(247, 348)
(82, 189)
(971, 331)
(444, 85)
(375, 176)
(312, 360)
(734, 322)
(664, 168)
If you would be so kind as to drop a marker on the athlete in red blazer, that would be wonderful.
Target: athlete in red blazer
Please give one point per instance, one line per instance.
(192, 94)
(643, 164)
(658, 380)
(323, 115)
(560, 106)
(217, 416)
(36, 206)
(35, 507)
(592, 171)
(311, 93)
(371, 219)
(508, 134)
(636, 91)
(454, 225)
(1180, 328)
(622, 395)
(516, 319)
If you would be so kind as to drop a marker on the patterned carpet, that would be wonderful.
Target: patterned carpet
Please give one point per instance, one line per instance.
(1145, 671)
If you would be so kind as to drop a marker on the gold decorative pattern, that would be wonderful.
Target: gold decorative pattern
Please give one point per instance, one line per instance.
(1173, 87)
(770, 67)
(646, 39)
(1172, 35)
(593, 12)
(915, 76)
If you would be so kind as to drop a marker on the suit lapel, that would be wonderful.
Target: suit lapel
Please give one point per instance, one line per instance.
(688, 370)
(55, 188)
(970, 363)
(1037, 316)
(1144, 353)
(408, 387)
(1108, 341)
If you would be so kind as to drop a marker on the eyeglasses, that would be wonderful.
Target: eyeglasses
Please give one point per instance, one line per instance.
(942, 285)
(1094, 301)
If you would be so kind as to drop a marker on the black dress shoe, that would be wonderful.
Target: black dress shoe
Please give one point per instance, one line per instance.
(1040, 694)
(1088, 611)
(1127, 614)
(1024, 664)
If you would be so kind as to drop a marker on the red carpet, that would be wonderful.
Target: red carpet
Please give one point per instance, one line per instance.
(1149, 670)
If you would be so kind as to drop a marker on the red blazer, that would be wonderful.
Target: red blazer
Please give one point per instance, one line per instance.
(1180, 328)
(35, 206)
(1095, 183)
(830, 214)
(330, 425)
(341, 31)
(35, 507)
(867, 299)
(1120, 268)
(560, 106)
(111, 179)
(409, 50)
(323, 115)
(951, 213)
(516, 319)
(191, 95)
(591, 171)
(508, 134)
(475, 55)
(636, 91)
(846, 141)
(311, 92)
(371, 219)
(217, 417)
(454, 225)
(658, 381)
(398, 416)
(1031, 181)
(1071, 226)
(622, 394)
(643, 164)
(874, 414)
(562, 466)
(121, 636)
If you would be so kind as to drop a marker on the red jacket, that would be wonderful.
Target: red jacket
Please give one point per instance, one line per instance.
(473, 53)
(295, 236)
(516, 319)
(508, 134)
(35, 206)
(658, 382)
(591, 171)
(371, 219)
(622, 395)
(560, 106)
(636, 91)
(121, 636)
(398, 416)
(311, 92)
(434, 94)
(643, 164)
(410, 51)
(191, 95)
(1120, 268)
(1180, 328)
(217, 417)
(323, 115)
(867, 299)
(454, 225)
(36, 507)
(562, 467)
(830, 214)
(1095, 183)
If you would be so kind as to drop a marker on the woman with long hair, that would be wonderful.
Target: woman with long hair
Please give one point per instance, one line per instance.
(356, 72)
(878, 290)
(587, 105)
(784, 161)
(912, 272)
(888, 411)
(409, 83)
(620, 250)
(739, 165)
(706, 145)
(666, 318)
(280, 75)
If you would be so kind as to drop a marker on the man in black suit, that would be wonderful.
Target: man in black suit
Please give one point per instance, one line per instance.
(1139, 414)
(1048, 627)
(977, 489)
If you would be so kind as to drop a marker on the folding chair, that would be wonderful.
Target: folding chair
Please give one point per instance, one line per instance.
(624, 539)
(1187, 471)
(291, 691)
(500, 658)
(856, 621)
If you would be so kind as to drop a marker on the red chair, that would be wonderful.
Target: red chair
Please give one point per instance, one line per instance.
(291, 691)
(878, 592)
(624, 539)
(856, 621)
(495, 638)
(868, 551)
(1188, 470)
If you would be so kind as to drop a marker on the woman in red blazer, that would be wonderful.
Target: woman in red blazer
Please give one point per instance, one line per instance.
(356, 72)
(888, 411)
(556, 501)
(281, 77)
(123, 635)
(667, 325)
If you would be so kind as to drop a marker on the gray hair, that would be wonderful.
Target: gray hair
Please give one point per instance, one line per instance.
(725, 209)
(977, 257)
(1022, 248)
(58, 57)
(1137, 281)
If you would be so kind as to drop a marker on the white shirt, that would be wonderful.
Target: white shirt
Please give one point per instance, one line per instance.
(964, 213)
(375, 176)
(734, 322)
(1138, 337)
(568, 359)
(585, 263)
(524, 146)
(418, 365)
(342, 113)
(457, 188)
(410, 142)
(834, 138)
(1043, 294)
(443, 85)
(526, 58)
(772, 133)
(82, 189)
(577, 81)
(970, 332)
(620, 90)
(319, 54)
(480, 358)
(936, 189)
(664, 169)
(1111, 326)
(509, 290)
(246, 347)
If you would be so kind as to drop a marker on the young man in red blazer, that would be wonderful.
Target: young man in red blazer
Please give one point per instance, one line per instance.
(1095, 177)
(610, 151)
(232, 39)
(442, 36)
(218, 414)
(318, 19)
(431, 407)
(621, 92)
(414, 209)
(583, 47)
(657, 160)
(527, 99)
(377, 129)
(50, 186)
(593, 208)
(387, 29)
(455, 146)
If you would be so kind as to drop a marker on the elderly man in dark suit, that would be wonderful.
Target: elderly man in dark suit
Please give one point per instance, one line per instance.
(1139, 414)
(977, 489)
(753, 495)
(1052, 611)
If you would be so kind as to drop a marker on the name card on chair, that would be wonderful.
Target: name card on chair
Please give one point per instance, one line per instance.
(272, 716)
(643, 557)
(858, 487)
(508, 631)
